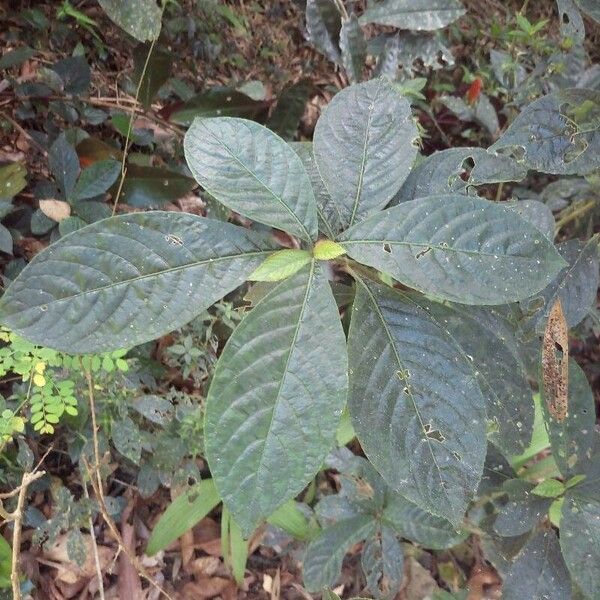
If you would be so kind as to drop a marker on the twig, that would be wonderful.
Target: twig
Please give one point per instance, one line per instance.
(94, 546)
(23, 132)
(575, 213)
(341, 9)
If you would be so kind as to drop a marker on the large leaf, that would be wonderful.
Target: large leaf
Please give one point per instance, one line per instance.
(139, 18)
(455, 170)
(414, 401)
(576, 285)
(129, 279)
(419, 526)
(323, 23)
(413, 14)
(559, 133)
(463, 249)
(276, 398)
(324, 554)
(254, 172)
(363, 145)
(580, 541)
(539, 571)
(572, 439)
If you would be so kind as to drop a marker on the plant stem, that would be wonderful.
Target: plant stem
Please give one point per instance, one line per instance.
(94, 545)
(573, 214)
(341, 9)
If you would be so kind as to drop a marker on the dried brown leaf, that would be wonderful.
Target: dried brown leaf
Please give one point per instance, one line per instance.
(57, 210)
(555, 363)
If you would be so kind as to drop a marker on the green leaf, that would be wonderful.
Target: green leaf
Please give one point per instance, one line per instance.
(576, 285)
(324, 554)
(12, 179)
(271, 414)
(281, 265)
(217, 102)
(550, 488)
(458, 248)
(254, 172)
(127, 438)
(580, 541)
(182, 514)
(327, 250)
(572, 439)
(364, 148)
(590, 8)
(421, 527)
(5, 563)
(538, 214)
(557, 133)
(96, 179)
(157, 71)
(292, 520)
(455, 170)
(154, 186)
(286, 116)
(413, 14)
(571, 21)
(382, 562)
(323, 23)
(139, 18)
(137, 277)
(538, 572)
(6, 240)
(64, 165)
(354, 49)
(415, 403)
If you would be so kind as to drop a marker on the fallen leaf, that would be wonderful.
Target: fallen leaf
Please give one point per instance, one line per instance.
(204, 587)
(205, 565)
(555, 363)
(418, 584)
(57, 210)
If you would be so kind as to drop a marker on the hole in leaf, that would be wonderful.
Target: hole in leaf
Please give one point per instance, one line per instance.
(434, 434)
(565, 18)
(387, 248)
(423, 252)
(465, 169)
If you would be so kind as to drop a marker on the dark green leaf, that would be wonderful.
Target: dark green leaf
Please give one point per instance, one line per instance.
(155, 408)
(557, 134)
(382, 561)
(271, 415)
(217, 103)
(75, 74)
(157, 71)
(538, 214)
(6, 240)
(64, 165)
(462, 249)
(324, 554)
(522, 511)
(364, 148)
(354, 49)
(414, 401)
(154, 186)
(138, 277)
(96, 179)
(70, 224)
(323, 23)
(127, 438)
(290, 107)
(139, 18)
(413, 14)
(182, 514)
(580, 541)
(539, 571)
(254, 172)
(16, 57)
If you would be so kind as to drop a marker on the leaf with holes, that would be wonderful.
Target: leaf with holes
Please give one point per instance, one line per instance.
(254, 172)
(364, 148)
(276, 398)
(415, 403)
(128, 280)
(458, 248)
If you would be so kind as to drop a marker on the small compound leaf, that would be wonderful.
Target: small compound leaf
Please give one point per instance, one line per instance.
(217, 102)
(254, 172)
(370, 126)
(280, 265)
(354, 49)
(413, 14)
(182, 514)
(64, 165)
(421, 527)
(382, 562)
(572, 439)
(330, 220)
(555, 364)
(290, 107)
(150, 187)
(139, 18)
(450, 171)
(463, 249)
(138, 277)
(415, 403)
(96, 179)
(580, 542)
(558, 133)
(323, 24)
(538, 572)
(576, 285)
(276, 398)
(324, 554)
(522, 511)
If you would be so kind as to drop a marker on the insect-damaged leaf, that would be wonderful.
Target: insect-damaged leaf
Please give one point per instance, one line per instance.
(555, 364)
(413, 14)
(415, 403)
(254, 172)
(363, 146)
(129, 279)
(276, 398)
(463, 249)
(559, 133)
